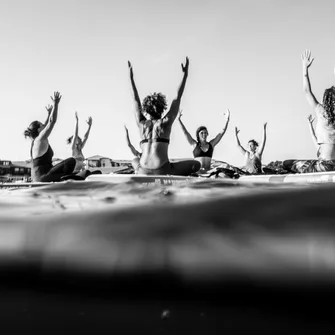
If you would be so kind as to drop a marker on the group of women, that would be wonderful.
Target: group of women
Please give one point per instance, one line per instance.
(155, 128)
(41, 153)
(155, 132)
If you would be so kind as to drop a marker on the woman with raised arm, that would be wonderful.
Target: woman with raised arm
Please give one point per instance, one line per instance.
(77, 145)
(253, 156)
(325, 127)
(130, 146)
(155, 130)
(202, 149)
(41, 153)
(325, 113)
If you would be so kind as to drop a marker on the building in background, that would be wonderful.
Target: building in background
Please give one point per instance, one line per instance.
(14, 171)
(20, 171)
(105, 164)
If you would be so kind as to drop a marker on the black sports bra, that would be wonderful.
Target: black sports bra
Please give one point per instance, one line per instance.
(158, 139)
(198, 152)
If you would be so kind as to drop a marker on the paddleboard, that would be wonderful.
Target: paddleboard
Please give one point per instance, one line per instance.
(23, 185)
(315, 177)
(141, 179)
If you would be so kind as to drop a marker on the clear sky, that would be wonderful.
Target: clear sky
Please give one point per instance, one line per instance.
(244, 55)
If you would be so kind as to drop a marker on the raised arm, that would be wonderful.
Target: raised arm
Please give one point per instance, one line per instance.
(138, 107)
(312, 131)
(262, 145)
(131, 147)
(174, 109)
(243, 151)
(89, 122)
(44, 134)
(307, 61)
(218, 137)
(75, 134)
(189, 138)
(49, 110)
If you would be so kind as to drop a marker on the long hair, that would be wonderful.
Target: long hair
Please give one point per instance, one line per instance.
(32, 130)
(329, 104)
(198, 131)
(154, 105)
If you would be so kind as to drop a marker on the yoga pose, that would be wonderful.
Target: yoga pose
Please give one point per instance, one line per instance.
(41, 153)
(155, 131)
(253, 156)
(202, 149)
(325, 112)
(325, 127)
(131, 147)
(77, 144)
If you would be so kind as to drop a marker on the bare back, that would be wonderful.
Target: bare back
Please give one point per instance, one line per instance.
(154, 150)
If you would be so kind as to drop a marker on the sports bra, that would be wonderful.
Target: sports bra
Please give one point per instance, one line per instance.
(198, 152)
(158, 139)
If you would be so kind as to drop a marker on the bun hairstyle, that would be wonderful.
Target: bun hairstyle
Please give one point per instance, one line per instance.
(198, 131)
(154, 105)
(329, 104)
(32, 130)
(69, 140)
(254, 142)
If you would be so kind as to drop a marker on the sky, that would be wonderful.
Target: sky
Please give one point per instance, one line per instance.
(244, 55)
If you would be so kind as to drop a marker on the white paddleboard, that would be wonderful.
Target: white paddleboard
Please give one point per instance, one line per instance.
(315, 177)
(142, 179)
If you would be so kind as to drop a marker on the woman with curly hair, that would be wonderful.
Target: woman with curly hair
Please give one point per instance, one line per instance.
(155, 130)
(325, 127)
(202, 149)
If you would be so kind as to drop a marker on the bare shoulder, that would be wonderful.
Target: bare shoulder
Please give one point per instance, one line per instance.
(319, 108)
(320, 111)
(173, 112)
(40, 146)
(165, 122)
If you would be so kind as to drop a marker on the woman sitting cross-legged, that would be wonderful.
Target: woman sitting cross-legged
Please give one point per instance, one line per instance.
(202, 149)
(253, 156)
(41, 152)
(324, 130)
(77, 146)
(155, 129)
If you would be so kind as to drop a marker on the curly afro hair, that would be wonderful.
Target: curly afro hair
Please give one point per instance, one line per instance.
(155, 105)
(329, 104)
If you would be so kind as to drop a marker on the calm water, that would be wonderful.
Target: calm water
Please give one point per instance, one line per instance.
(208, 257)
(207, 230)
